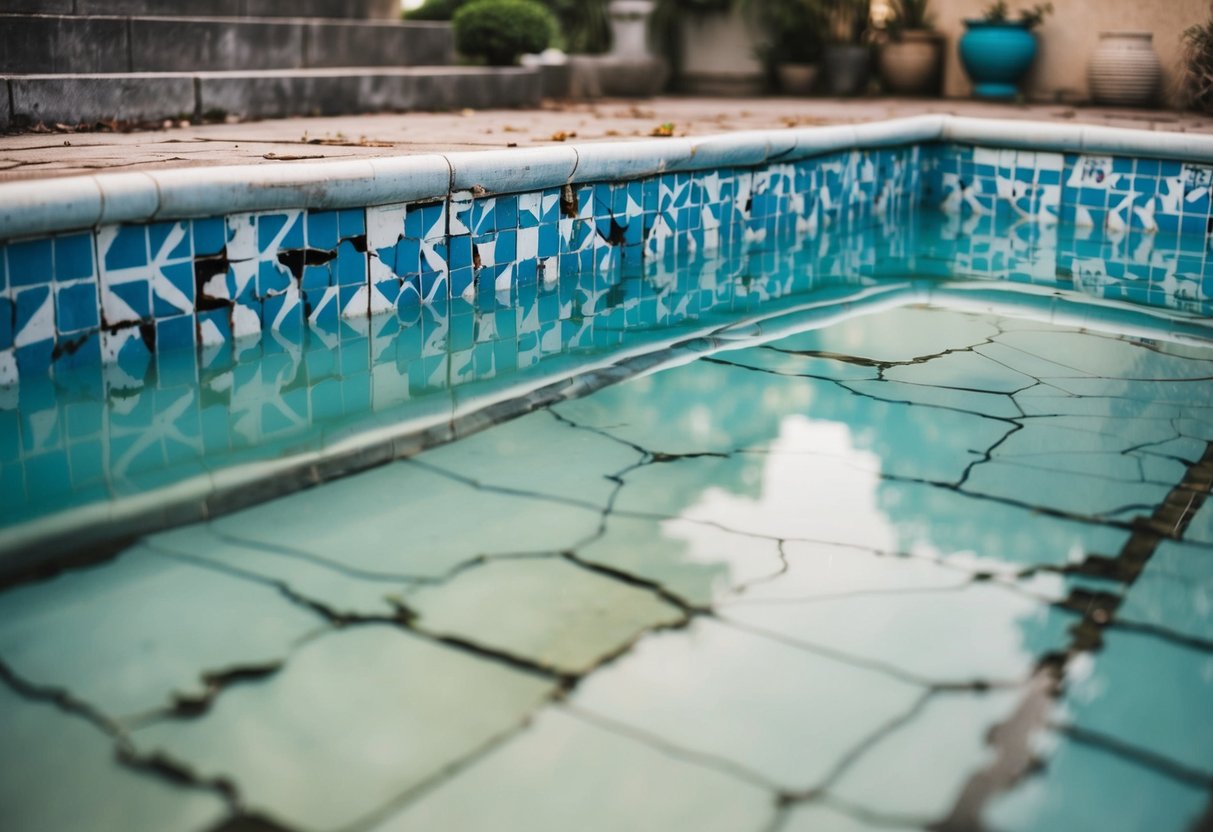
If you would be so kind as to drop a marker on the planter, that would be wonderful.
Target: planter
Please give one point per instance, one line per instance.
(719, 54)
(847, 68)
(629, 69)
(796, 79)
(913, 65)
(1124, 71)
(996, 56)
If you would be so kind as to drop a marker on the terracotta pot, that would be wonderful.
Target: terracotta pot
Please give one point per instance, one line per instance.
(796, 79)
(1124, 71)
(913, 65)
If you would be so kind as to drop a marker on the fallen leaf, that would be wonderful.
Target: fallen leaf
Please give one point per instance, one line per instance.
(663, 130)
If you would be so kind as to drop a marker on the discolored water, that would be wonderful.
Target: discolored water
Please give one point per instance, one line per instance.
(815, 539)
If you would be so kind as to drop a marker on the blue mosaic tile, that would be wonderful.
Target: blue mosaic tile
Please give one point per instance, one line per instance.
(351, 265)
(175, 332)
(323, 229)
(8, 317)
(76, 307)
(127, 249)
(34, 319)
(74, 257)
(31, 262)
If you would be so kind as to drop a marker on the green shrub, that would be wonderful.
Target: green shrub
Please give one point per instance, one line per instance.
(500, 30)
(435, 10)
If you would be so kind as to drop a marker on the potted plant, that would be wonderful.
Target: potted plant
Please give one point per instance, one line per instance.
(711, 44)
(911, 60)
(997, 50)
(793, 42)
(499, 31)
(1198, 66)
(846, 58)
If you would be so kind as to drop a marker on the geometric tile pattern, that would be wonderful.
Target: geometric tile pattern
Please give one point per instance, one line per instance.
(119, 294)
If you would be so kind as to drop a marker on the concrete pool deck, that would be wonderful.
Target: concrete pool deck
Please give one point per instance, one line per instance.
(33, 156)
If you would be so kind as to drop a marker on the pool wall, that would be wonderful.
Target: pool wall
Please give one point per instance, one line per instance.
(114, 267)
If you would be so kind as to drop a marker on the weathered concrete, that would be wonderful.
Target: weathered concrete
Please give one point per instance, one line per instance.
(348, 138)
(33, 45)
(39, 44)
(83, 98)
(192, 45)
(331, 43)
(342, 91)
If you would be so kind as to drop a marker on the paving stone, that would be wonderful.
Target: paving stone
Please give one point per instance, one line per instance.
(398, 520)
(38, 44)
(1148, 693)
(564, 772)
(190, 45)
(548, 611)
(784, 713)
(951, 731)
(82, 98)
(130, 635)
(1124, 795)
(353, 721)
(541, 454)
(698, 562)
(1004, 634)
(62, 773)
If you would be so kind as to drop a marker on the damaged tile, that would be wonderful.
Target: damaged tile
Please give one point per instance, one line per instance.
(785, 714)
(62, 773)
(566, 772)
(548, 611)
(355, 719)
(134, 634)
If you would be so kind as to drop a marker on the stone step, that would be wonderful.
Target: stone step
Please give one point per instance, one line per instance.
(42, 44)
(147, 97)
(349, 9)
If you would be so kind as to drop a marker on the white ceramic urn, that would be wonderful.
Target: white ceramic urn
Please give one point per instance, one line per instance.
(1124, 71)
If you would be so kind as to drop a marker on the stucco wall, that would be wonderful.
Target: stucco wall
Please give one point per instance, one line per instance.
(1070, 35)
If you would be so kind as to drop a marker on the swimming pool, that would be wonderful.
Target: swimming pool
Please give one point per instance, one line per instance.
(892, 523)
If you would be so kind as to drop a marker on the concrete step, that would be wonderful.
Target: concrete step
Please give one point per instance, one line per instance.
(349, 9)
(149, 97)
(41, 44)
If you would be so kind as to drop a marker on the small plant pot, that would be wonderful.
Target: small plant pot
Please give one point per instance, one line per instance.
(913, 64)
(847, 68)
(1124, 71)
(996, 56)
(796, 79)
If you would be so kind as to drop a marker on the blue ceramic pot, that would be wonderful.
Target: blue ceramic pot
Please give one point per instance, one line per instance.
(996, 56)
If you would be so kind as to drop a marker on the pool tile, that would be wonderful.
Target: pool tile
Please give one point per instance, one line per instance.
(127, 657)
(548, 611)
(782, 713)
(605, 781)
(412, 722)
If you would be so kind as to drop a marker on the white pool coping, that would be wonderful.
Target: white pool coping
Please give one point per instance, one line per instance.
(47, 206)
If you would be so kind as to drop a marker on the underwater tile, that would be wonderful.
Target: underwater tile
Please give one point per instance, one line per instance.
(565, 772)
(1148, 693)
(819, 570)
(1005, 632)
(803, 365)
(963, 371)
(951, 731)
(818, 817)
(787, 715)
(130, 635)
(62, 773)
(1074, 493)
(1200, 527)
(400, 519)
(538, 453)
(1174, 592)
(698, 562)
(1123, 794)
(895, 335)
(389, 709)
(978, 402)
(336, 586)
(547, 610)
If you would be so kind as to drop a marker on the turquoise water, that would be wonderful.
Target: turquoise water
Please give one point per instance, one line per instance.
(851, 536)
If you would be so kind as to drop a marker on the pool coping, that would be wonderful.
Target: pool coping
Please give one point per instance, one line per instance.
(38, 207)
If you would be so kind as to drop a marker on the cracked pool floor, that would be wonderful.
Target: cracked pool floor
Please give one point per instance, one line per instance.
(924, 569)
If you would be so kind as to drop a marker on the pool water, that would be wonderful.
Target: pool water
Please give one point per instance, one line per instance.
(870, 543)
